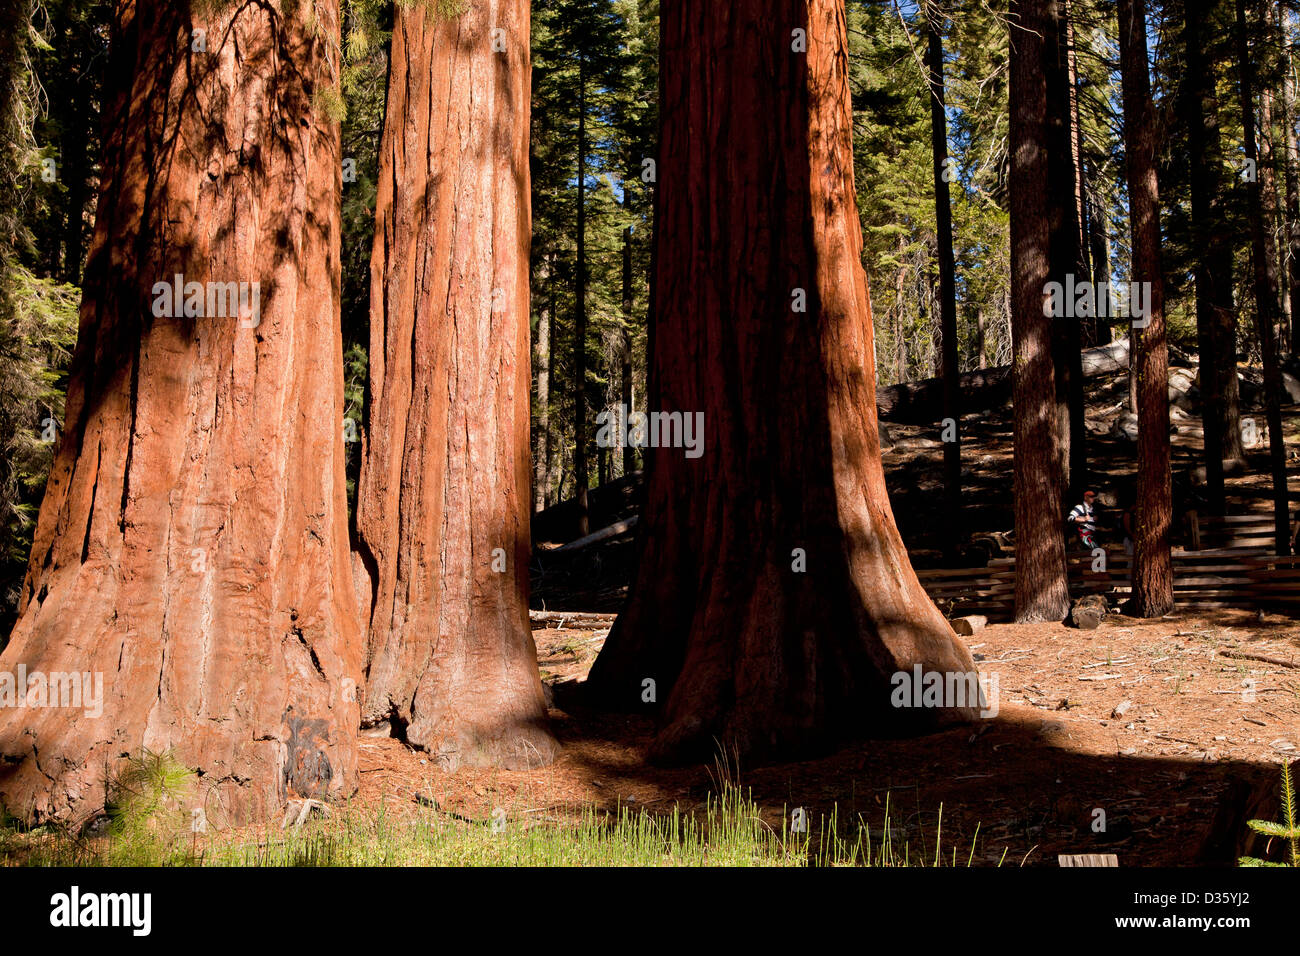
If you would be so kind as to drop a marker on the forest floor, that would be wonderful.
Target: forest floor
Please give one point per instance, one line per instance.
(1187, 743)
(1148, 739)
(1145, 721)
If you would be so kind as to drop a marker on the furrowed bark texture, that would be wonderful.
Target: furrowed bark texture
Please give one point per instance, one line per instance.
(1153, 581)
(746, 651)
(192, 545)
(442, 509)
(1065, 255)
(1041, 588)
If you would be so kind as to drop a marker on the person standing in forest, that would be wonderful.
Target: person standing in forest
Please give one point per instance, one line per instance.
(1083, 519)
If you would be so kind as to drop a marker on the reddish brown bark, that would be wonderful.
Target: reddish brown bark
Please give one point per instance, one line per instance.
(1066, 257)
(746, 651)
(1153, 582)
(1087, 327)
(192, 545)
(1042, 593)
(442, 503)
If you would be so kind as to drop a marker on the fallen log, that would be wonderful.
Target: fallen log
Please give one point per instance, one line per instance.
(613, 531)
(921, 403)
(580, 619)
(968, 625)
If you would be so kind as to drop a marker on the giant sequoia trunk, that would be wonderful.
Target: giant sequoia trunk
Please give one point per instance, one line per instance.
(192, 545)
(774, 600)
(1042, 592)
(442, 503)
(1153, 582)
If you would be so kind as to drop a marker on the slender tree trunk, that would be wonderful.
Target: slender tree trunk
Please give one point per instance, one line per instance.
(542, 359)
(442, 515)
(1099, 240)
(1042, 592)
(1065, 256)
(1153, 582)
(555, 448)
(935, 364)
(580, 322)
(1281, 219)
(947, 287)
(1200, 109)
(775, 601)
(1215, 318)
(1292, 219)
(980, 322)
(900, 338)
(1265, 286)
(192, 548)
(625, 377)
(1134, 403)
(1090, 328)
(1268, 184)
(1087, 327)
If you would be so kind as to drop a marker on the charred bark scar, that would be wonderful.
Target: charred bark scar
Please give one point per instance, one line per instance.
(307, 771)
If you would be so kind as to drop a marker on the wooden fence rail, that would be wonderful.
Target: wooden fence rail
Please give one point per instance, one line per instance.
(1202, 579)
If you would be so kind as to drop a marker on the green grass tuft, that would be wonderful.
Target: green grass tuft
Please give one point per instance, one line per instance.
(728, 831)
